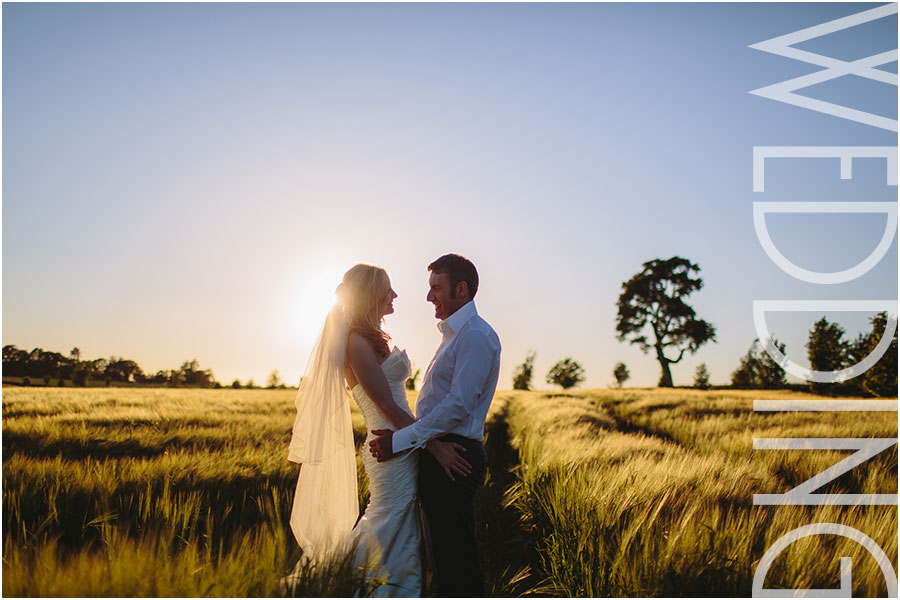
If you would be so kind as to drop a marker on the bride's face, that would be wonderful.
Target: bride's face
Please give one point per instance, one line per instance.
(387, 306)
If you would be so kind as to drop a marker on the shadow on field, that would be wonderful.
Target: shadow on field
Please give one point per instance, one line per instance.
(36, 445)
(596, 424)
(624, 425)
(211, 508)
(508, 551)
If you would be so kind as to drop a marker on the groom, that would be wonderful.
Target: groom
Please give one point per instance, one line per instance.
(452, 406)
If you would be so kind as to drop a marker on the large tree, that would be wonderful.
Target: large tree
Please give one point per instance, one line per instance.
(653, 304)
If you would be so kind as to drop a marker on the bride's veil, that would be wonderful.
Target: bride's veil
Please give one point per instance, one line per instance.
(325, 502)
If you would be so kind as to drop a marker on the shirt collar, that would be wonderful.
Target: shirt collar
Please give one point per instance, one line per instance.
(453, 323)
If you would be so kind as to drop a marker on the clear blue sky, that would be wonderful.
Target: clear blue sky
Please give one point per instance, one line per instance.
(191, 180)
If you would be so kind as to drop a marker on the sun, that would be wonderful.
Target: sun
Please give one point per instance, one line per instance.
(314, 297)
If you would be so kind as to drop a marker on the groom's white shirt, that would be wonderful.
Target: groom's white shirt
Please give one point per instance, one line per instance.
(459, 383)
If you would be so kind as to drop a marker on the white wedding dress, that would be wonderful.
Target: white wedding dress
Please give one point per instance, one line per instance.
(388, 533)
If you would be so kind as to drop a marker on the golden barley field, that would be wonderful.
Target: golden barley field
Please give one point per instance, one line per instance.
(649, 492)
(633, 492)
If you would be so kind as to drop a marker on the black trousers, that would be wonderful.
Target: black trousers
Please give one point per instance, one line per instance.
(449, 508)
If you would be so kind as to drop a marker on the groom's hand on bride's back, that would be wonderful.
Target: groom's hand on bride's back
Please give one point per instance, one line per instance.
(382, 447)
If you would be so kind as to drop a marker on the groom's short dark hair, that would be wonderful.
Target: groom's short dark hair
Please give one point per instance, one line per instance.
(458, 268)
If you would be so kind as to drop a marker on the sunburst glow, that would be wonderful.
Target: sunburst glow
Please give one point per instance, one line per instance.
(314, 298)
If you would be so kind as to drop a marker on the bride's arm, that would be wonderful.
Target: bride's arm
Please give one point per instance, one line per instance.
(365, 366)
(367, 370)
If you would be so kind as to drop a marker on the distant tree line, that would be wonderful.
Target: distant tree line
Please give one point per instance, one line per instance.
(827, 350)
(42, 364)
(653, 313)
(54, 368)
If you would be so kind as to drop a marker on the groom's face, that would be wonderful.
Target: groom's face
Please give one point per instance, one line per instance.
(439, 294)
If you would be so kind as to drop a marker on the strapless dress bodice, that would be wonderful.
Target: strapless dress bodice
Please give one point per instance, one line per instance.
(396, 369)
(389, 530)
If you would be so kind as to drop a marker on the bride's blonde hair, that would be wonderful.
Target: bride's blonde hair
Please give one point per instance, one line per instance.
(362, 292)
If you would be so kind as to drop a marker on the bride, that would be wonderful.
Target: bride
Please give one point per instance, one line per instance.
(353, 347)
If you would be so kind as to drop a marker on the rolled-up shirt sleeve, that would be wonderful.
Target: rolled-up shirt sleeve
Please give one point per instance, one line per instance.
(475, 362)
